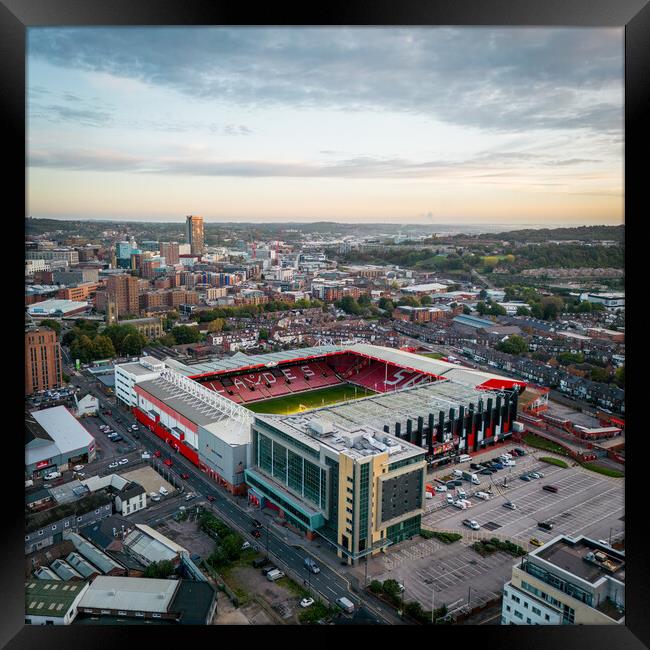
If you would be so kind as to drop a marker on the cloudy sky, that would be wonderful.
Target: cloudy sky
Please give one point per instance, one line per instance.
(411, 125)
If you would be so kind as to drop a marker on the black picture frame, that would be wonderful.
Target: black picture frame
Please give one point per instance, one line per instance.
(17, 15)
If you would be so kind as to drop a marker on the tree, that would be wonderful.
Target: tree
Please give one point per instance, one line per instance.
(52, 324)
(425, 300)
(523, 311)
(599, 374)
(216, 325)
(103, 347)
(482, 308)
(537, 311)
(551, 307)
(364, 300)
(619, 377)
(82, 348)
(386, 304)
(69, 337)
(513, 345)
(349, 305)
(466, 310)
(133, 343)
(263, 335)
(184, 334)
(168, 340)
(483, 294)
(162, 569)
(409, 301)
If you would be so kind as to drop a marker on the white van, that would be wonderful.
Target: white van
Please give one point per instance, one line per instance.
(29, 483)
(163, 491)
(482, 495)
(345, 604)
(274, 575)
(461, 493)
(457, 473)
(463, 458)
(52, 475)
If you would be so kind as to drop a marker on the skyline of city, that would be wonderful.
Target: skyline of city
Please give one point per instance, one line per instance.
(413, 126)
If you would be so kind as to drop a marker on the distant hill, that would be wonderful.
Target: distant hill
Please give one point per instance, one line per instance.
(581, 233)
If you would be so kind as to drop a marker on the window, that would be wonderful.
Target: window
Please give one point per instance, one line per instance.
(66, 524)
(547, 617)
(525, 604)
(40, 532)
(507, 608)
(537, 611)
(529, 621)
(519, 614)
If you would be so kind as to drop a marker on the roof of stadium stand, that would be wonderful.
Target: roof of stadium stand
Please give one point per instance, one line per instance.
(400, 405)
(409, 360)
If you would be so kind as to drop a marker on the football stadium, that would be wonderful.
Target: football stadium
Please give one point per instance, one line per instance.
(335, 439)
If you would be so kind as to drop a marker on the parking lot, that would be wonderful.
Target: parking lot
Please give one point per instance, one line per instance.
(585, 504)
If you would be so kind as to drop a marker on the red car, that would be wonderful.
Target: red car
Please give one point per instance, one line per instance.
(156, 454)
(168, 462)
(185, 476)
(210, 497)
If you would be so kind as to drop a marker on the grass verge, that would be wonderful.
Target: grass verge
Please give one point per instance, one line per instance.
(553, 461)
(542, 443)
(603, 470)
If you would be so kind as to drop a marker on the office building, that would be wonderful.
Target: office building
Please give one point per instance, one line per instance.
(170, 251)
(194, 235)
(123, 290)
(357, 487)
(43, 369)
(568, 581)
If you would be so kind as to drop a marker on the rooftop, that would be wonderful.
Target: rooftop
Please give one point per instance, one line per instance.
(50, 597)
(579, 558)
(63, 428)
(130, 594)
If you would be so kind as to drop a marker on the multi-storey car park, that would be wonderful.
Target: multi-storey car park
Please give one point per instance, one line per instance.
(353, 472)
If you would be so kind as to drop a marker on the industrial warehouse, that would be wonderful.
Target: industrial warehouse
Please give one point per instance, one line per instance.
(246, 422)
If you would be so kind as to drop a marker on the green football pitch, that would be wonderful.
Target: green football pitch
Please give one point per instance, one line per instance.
(311, 400)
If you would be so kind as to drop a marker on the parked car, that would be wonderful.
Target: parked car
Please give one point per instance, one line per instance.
(539, 474)
(510, 505)
(134, 427)
(521, 452)
(78, 468)
(525, 477)
(400, 587)
(440, 488)
(267, 568)
(113, 465)
(256, 533)
(124, 461)
(546, 525)
(306, 602)
(474, 466)
(482, 495)
(536, 542)
(274, 575)
(498, 465)
(185, 476)
(550, 488)
(146, 455)
(210, 498)
(164, 491)
(189, 496)
(449, 499)
(260, 562)
(168, 462)
(156, 453)
(117, 438)
(486, 472)
(534, 475)
(245, 546)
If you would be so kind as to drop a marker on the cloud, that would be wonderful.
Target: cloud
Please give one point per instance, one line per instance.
(58, 113)
(196, 163)
(497, 79)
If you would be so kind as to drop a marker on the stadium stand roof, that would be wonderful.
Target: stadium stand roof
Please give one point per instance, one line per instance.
(241, 361)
